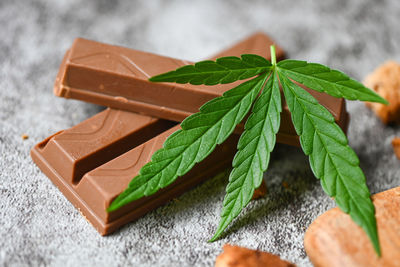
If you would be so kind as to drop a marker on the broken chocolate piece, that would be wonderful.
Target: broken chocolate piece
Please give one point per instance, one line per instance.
(118, 77)
(234, 256)
(385, 81)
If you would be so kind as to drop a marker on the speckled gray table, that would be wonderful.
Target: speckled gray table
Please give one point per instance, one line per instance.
(38, 226)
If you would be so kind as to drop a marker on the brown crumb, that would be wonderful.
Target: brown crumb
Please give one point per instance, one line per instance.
(385, 80)
(285, 185)
(260, 192)
(24, 136)
(234, 256)
(396, 146)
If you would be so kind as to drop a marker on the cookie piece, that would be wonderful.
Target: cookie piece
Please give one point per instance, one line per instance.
(396, 146)
(234, 256)
(334, 240)
(385, 81)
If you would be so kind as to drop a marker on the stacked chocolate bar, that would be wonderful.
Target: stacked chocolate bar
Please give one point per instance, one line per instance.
(94, 161)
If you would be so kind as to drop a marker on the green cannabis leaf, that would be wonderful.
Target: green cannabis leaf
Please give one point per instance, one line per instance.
(223, 70)
(331, 159)
(200, 134)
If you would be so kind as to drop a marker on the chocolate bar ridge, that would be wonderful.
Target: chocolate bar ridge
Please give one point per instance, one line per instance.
(118, 77)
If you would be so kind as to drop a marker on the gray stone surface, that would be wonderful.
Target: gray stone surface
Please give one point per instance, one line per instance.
(38, 226)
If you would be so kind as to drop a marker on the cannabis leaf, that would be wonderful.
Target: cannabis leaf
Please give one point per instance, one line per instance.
(199, 135)
(223, 70)
(331, 158)
(323, 79)
(252, 158)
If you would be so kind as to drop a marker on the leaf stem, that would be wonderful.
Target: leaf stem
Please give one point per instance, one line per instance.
(273, 56)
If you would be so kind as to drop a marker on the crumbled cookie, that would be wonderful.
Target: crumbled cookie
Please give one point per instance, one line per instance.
(234, 256)
(334, 240)
(396, 146)
(261, 191)
(385, 81)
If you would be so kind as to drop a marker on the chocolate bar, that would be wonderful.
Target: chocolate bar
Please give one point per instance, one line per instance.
(99, 139)
(60, 157)
(94, 161)
(117, 77)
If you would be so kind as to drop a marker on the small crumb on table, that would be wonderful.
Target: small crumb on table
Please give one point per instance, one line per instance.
(260, 192)
(24, 136)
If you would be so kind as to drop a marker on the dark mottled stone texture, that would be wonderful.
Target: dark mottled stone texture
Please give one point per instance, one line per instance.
(38, 226)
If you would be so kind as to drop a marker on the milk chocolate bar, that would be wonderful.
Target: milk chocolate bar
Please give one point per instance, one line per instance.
(98, 140)
(118, 77)
(91, 187)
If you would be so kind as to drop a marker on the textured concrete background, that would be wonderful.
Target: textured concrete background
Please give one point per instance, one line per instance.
(38, 226)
